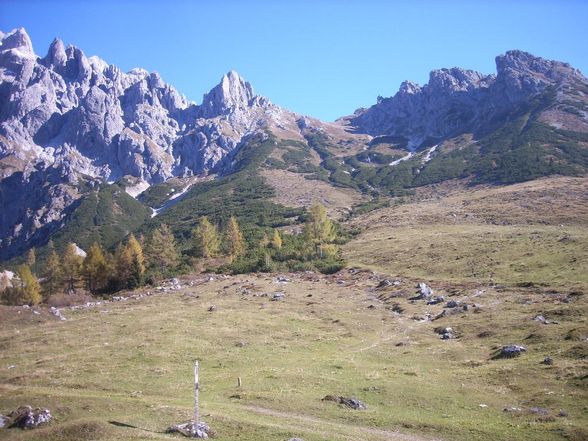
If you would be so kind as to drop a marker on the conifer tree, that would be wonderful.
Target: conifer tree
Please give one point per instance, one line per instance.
(277, 240)
(53, 273)
(319, 229)
(31, 257)
(130, 264)
(162, 253)
(95, 268)
(72, 267)
(234, 242)
(29, 290)
(206, 240)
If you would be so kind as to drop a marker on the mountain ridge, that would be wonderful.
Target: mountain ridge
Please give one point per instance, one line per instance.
(70, 124)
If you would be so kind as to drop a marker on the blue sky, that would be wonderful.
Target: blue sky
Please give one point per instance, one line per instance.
(320, 58)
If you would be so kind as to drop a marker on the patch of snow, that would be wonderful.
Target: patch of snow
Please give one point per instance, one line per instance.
(427, 157)
(173, 200)
(404, 158)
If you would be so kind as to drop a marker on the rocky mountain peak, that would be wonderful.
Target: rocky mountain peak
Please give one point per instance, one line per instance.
(455, 79)
(56, 56)
(518, 63)
(18, 39)
(233, 92)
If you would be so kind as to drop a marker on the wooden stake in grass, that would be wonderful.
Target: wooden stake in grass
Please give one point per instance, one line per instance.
(196, 389)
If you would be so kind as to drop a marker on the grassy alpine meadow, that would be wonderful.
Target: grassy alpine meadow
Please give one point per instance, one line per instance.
(123, 370)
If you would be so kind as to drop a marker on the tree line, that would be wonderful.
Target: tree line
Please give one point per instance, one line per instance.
(141, 259)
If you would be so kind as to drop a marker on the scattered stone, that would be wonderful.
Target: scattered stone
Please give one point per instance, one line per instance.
(540, 318)
(436, 300)
(3, 421)
(547, 361)
(397, 308)
(212, 308)
(352, 403)
(445, 333)
(539, 411)
(483, 406)
(190, 430)
(282, 279)
(26, 417)
(295, 439)
(424, 292)
(371, 307)
(277, 296)
(240, 344)
(509, 351)
(512, 409)
(57, 313)
(451, 304)
(384, 284)
(562, 414)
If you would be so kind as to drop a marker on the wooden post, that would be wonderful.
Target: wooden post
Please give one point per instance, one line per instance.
(196, 388)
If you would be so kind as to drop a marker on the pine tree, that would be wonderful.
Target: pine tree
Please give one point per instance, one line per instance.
(162, 254)
(31, 257)
(72, 267)
(206, 240)
(234, 242)
(319, 229)
(277, 241)
(29, 290)
(95, 268)
(53, 273)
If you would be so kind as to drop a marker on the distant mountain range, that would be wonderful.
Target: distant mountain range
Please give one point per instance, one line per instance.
(76, 131)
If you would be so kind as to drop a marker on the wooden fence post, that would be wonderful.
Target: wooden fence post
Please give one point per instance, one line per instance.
(196, 389)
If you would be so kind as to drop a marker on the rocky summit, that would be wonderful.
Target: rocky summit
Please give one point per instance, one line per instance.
(72, 124)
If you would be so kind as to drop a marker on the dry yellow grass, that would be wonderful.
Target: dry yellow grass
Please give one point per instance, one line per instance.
(293, 190)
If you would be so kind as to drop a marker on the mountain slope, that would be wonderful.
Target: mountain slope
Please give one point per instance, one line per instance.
(71, 125)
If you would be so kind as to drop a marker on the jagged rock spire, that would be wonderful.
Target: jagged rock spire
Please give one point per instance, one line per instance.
(233, 92)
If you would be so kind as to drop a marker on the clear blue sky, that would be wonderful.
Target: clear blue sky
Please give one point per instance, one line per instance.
(320, 58)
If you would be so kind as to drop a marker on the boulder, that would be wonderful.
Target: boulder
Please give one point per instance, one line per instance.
(424, 292)
(26, 417)
(436, 300)
(352, 403)
(445, 333)
(509, 351)
(190, 430)
(451, 304)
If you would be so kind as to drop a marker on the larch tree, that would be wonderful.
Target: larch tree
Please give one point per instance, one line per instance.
(95, 268)
(29, 290)
(72, 267)
(52, 274)
(134, 255)
(319, 229)
(31, 257)
(162, 253)
(206, 239)
(234, 242)
(277, 240)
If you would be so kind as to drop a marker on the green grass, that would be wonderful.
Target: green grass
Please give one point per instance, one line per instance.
(135, 366)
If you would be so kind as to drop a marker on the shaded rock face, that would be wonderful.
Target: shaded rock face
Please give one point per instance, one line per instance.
(457, 101)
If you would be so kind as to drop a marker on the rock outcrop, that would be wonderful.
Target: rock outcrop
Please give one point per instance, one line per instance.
(457, 101)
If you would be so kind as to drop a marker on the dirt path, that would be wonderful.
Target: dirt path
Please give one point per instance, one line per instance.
(341, 430)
